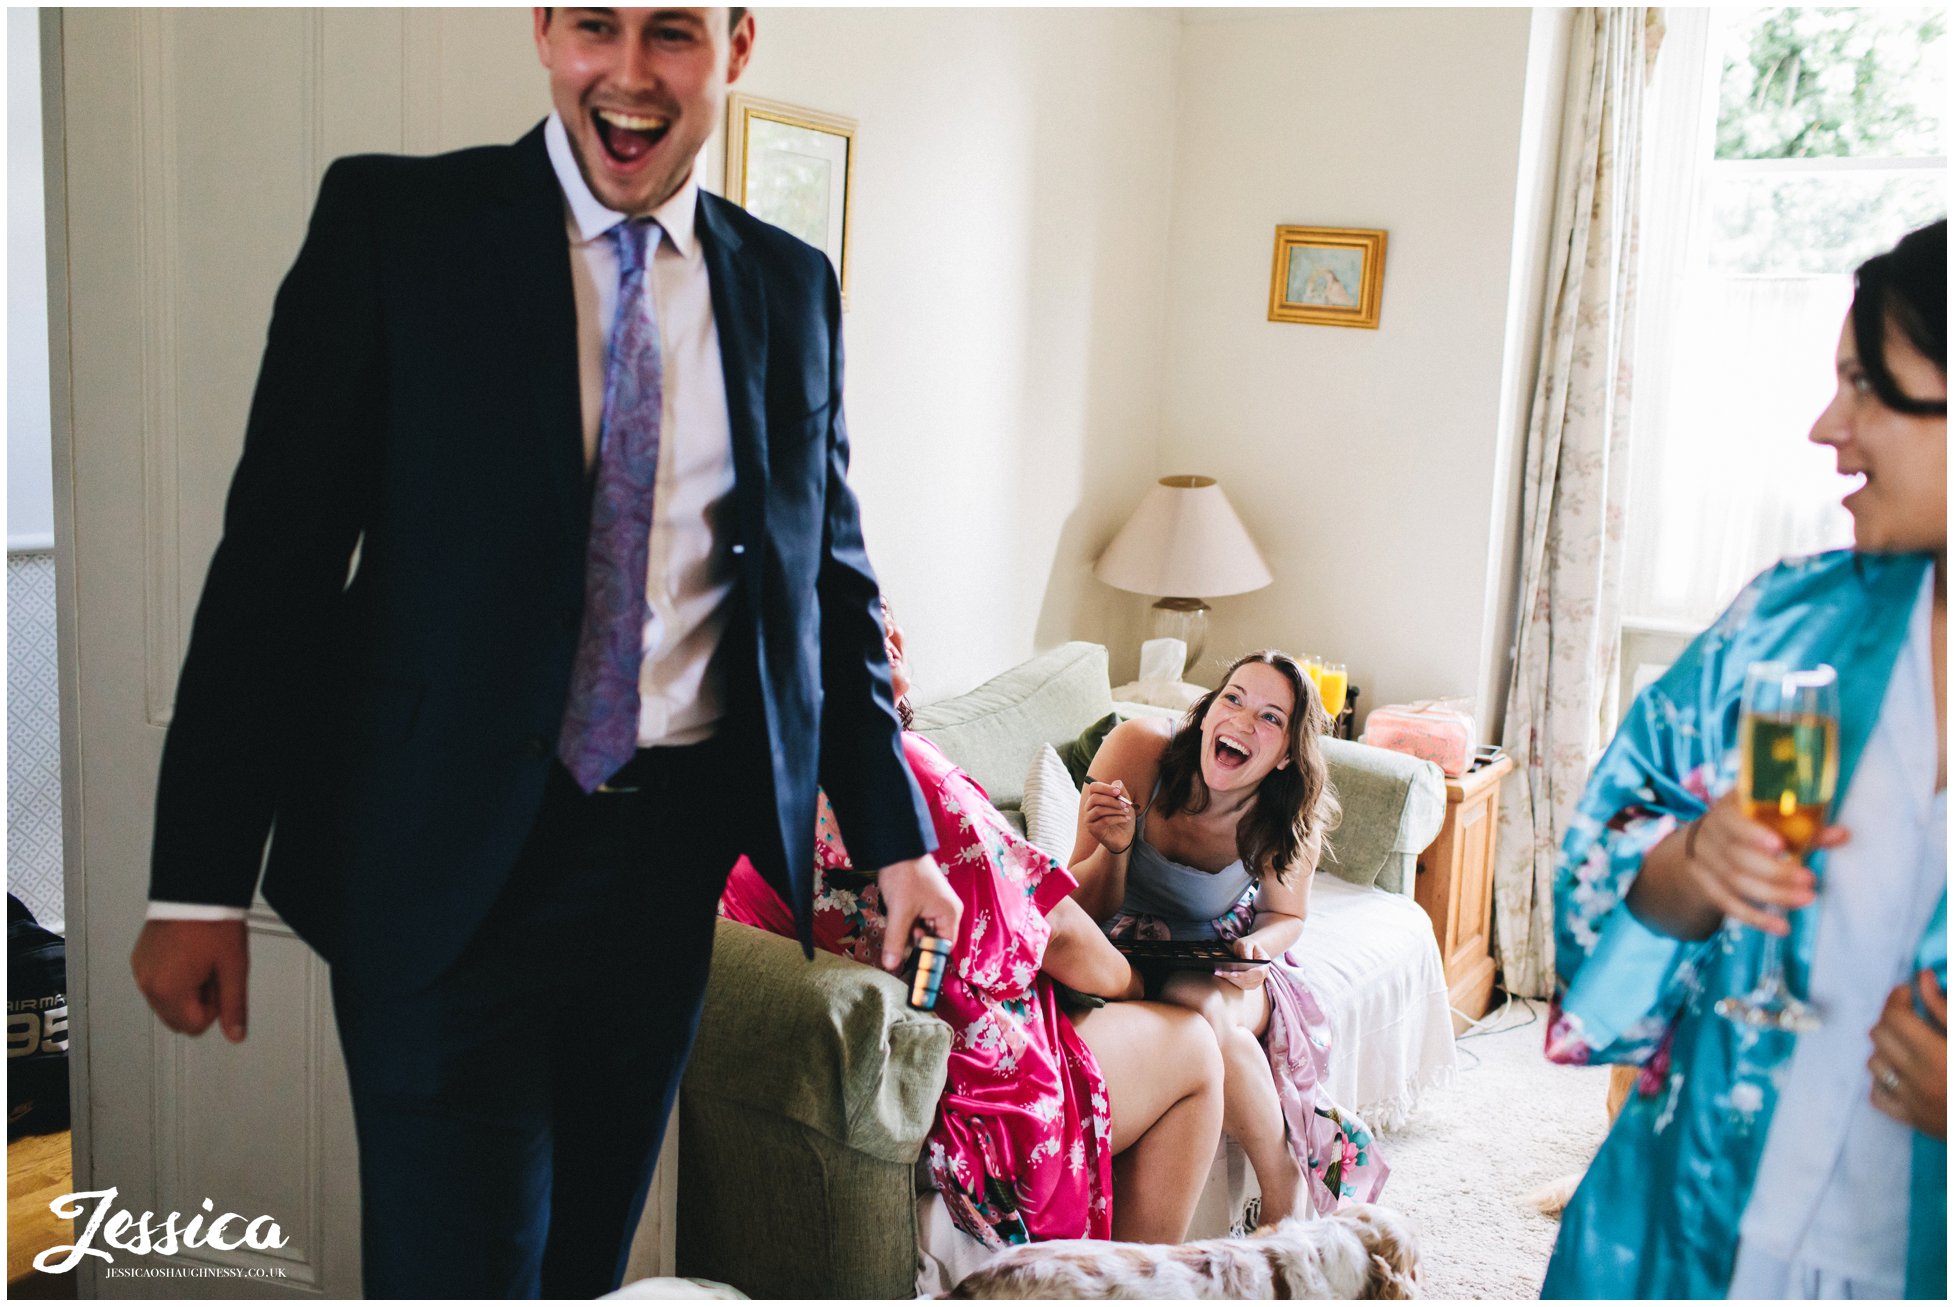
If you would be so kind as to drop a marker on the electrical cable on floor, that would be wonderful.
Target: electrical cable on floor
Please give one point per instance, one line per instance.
(1487, 1025)
(1476, 1026)
(1490, 1025)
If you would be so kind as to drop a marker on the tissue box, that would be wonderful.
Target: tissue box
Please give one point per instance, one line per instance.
(1429, 731)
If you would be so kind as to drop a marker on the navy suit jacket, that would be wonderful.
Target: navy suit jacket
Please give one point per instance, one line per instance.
(380, 661)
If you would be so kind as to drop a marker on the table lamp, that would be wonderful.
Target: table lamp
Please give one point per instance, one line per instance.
(1183, 540)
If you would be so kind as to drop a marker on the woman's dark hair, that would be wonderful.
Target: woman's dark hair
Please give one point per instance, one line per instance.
(905, 711)
(1907, 287)
(1294, 806)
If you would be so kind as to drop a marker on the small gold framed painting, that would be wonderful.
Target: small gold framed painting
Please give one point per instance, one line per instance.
(794, 168)
(1332, 276)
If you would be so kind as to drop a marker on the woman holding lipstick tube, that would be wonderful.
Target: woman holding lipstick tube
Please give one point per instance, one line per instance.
(1211, 828)
(1052, 1124)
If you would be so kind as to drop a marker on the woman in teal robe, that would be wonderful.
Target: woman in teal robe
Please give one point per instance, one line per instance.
(1703, 1187)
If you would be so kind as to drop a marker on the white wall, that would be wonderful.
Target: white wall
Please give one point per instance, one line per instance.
(1372, 467)
(1007, 302)
(1064, 226)
(30, 457)
(1007, 306)
(1540, 141)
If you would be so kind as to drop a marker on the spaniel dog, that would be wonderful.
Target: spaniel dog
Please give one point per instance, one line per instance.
(1363, 1251)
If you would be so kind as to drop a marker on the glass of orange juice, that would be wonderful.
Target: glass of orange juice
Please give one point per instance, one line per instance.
(1312, 668)
(1333, 683)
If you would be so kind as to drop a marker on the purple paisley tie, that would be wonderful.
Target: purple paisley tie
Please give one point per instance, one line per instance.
(600, 724)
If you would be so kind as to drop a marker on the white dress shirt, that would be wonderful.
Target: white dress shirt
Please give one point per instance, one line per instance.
(690, 570)
(1827, 1215)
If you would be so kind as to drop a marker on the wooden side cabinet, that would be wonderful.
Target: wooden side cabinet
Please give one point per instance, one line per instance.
(1455, 886)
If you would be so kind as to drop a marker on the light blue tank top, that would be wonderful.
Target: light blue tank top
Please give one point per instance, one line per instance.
(1185, 897)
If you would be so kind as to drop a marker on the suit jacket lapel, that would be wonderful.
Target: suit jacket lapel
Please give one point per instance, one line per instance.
(543, 307)
(739, 310)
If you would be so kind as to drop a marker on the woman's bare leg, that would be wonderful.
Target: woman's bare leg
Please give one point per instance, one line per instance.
(1164, 1085)
(1252, 1113)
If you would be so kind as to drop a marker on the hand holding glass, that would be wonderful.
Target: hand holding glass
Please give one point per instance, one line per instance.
(1789, 742)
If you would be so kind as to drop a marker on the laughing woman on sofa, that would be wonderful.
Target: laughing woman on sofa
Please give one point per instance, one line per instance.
(1237, 802)
(1755, 1162)
(1099, 1125)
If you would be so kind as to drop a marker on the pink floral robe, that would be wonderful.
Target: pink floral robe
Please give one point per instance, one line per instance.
(1022, 1143)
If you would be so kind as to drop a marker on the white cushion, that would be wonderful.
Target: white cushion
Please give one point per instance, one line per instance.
(1051, 804)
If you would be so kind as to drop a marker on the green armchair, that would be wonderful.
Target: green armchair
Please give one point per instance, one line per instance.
(813, 1083)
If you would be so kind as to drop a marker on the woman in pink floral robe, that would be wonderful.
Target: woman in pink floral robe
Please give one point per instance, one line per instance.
(1021, 1138)
(1025, 1134)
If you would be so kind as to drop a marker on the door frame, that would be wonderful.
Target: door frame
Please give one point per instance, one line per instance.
(74, 870)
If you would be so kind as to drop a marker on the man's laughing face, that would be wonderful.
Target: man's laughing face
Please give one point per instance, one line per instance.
(639, 92)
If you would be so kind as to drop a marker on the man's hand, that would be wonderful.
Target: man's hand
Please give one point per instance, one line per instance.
(1909, 1061)
(193, 972)
(914, 893)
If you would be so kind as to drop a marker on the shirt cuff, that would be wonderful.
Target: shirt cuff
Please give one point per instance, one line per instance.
(163, 910)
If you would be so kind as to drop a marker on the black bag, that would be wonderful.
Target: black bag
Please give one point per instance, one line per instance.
(37, 1025)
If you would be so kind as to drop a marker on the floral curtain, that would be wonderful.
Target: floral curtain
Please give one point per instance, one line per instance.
(1576, 483)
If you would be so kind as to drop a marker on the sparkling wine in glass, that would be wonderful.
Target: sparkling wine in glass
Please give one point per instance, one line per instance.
(1789, 741)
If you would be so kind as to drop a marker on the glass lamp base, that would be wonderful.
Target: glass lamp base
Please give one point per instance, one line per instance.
(1185, 620)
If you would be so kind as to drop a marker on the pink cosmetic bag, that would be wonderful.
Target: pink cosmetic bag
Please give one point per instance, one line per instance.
(1424, 730)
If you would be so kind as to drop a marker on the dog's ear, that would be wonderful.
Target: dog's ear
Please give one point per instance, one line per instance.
(1388, 1283)
(1279, 1285)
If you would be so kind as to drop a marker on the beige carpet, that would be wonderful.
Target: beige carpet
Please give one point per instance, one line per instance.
(1462, 1167)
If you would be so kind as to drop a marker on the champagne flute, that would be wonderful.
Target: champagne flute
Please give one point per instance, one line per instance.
(1333, 684)
(1789, 738)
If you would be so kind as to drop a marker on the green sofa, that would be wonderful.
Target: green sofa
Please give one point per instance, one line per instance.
(812, 1084)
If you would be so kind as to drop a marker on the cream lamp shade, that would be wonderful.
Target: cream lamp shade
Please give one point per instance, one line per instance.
(1184, 540)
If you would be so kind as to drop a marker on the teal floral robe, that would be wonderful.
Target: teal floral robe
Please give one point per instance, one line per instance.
(1657, 1214)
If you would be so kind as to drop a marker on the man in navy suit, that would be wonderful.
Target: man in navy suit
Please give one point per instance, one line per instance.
(541, 598)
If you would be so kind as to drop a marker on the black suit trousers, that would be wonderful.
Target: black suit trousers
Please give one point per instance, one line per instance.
(510, 1113)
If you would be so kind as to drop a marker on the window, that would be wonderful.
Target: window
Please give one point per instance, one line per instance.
(1784, 147)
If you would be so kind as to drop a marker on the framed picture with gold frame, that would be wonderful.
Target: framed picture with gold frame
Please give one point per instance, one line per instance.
(1331, 276)
(794, 168)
